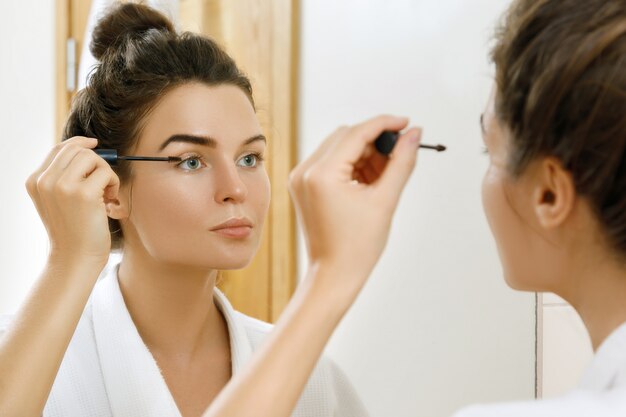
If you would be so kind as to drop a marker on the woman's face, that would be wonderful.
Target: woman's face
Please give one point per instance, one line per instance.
(508, 204)
(177, 210)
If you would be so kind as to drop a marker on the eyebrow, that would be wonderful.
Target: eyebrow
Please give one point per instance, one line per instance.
(205, 140)
(482, 123)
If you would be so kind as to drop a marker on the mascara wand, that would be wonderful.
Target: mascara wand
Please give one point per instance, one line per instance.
(387, 140)
(111, 156)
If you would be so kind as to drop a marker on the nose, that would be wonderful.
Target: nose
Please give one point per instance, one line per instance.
(229, 186)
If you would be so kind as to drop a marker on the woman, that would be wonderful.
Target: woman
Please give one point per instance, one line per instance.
(153, 336)
(554, 195)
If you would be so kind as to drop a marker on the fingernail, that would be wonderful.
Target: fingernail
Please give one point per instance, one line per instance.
(414, 138)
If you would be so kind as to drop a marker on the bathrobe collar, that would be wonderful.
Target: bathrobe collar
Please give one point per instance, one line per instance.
(608, 367)
(133, 380)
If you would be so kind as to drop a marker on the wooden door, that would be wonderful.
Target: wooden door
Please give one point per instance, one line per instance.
(261, 36)
(71, 21)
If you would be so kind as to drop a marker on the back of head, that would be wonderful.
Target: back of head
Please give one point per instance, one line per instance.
(561, 92)
(142, 57)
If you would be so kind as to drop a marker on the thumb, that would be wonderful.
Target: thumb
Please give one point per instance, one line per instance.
(401, 164)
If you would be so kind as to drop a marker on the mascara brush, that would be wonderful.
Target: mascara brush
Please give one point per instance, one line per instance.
(111, 156)
(386, 141)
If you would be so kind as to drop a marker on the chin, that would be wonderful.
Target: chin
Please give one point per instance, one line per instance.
(514, 285)
(203, 262)
(230, 257)
(222, 255)
(231, 264)
(518, 283)
(222, 260)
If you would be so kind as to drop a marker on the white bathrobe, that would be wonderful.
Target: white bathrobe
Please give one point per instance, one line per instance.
(108, 370)
(601, 393)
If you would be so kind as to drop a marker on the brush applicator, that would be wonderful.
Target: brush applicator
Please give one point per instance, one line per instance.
(111, 156)
(386, 141)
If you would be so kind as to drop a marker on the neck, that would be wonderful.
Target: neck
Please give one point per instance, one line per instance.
(599, 297)
(171, 304)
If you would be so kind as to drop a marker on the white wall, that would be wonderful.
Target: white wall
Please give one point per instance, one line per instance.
(27, 133)
(436, 328)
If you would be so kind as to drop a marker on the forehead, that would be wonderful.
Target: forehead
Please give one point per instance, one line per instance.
(495, 136)
(491, 102)
(223, 112)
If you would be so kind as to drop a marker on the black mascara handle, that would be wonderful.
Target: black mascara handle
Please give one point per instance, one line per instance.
(385, 142)
(109, 155)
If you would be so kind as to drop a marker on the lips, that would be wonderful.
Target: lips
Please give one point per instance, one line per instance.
(234, 228)
(233, 223)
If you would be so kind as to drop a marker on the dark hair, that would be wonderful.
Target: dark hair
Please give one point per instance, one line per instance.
(142, 57)
(561, 92)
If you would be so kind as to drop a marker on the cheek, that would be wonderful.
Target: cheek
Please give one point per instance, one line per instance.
(505, 226)
(259, 194)
(492, 202)
(170, 209)
(172, 218)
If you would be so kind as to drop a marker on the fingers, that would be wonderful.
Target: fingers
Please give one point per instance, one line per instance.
(371, 166)
(400, 166)
(91, 172)
(296, 187)
(104, 178)
(347, 146)
(49, 182)
(78, 140)
(370, 173)
(70, 191)
(34, 179)
(83, 163)
(328, 143)
(67, 149)
(378, 162)
(349, 154)
(104, 182)
(65, 156)
(351, 147)
(366, 173)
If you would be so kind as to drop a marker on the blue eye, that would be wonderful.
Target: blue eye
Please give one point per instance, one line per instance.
(250, 160)
(193, 163)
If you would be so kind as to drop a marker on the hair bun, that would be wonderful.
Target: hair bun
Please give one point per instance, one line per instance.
(123, 20)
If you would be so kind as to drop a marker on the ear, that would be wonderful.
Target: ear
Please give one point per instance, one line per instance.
(554, 194)
(117, 204)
